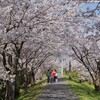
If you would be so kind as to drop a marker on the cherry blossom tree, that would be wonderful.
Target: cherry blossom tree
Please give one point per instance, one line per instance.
(32, 31)
(24, 25)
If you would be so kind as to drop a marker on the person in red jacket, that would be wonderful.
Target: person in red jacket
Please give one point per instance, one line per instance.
(52, 76)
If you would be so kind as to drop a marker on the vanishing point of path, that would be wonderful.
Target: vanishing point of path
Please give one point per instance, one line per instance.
(57, 91)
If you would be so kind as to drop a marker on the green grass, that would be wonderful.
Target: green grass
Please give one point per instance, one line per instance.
(33, 91)
(84, 90)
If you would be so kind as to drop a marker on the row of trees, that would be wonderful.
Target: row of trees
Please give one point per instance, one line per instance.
(33, 30)
(27, 40)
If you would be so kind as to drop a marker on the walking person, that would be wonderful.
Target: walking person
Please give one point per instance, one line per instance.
(48, 76)
(52, 76)
(56, 76)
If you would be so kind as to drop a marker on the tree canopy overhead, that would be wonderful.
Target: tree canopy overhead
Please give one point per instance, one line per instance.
(35, 31)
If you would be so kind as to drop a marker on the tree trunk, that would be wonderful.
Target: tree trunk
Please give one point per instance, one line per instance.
(97, 87)
(70, 70)
(32, 77)
(26, 83)
(97, 83)
(10, 90)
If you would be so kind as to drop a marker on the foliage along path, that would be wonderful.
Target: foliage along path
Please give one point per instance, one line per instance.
(57, 91)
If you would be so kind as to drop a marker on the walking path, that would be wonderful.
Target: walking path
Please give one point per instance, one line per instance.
(57, 91)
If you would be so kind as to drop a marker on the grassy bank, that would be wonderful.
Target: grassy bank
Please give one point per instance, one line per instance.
(33, 91)
(83, 90)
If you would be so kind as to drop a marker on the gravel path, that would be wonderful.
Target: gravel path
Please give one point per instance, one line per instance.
(57, 91)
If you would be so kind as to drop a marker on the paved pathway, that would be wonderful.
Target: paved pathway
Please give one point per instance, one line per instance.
(57, 91)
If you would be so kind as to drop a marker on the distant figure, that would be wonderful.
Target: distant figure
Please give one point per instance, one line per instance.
(52, 76)
(48, 76)
(56, 76)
